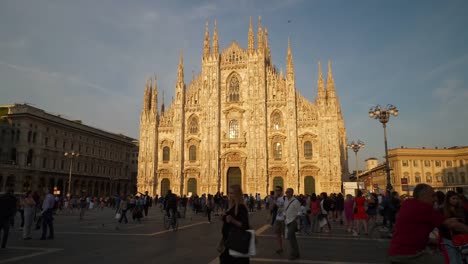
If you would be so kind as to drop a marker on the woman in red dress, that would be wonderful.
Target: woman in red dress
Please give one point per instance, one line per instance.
(360, 215)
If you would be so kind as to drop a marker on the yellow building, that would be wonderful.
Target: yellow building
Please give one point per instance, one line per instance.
(444, 169)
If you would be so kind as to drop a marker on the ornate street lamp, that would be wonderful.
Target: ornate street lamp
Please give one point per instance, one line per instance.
(356, 146)
(71, 155)
(383, 115)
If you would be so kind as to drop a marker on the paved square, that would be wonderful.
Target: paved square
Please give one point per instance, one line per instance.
(99, 238)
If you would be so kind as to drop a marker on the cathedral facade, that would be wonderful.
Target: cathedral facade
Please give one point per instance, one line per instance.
(240, 121)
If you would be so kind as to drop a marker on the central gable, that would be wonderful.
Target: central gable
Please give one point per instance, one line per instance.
(233, 55)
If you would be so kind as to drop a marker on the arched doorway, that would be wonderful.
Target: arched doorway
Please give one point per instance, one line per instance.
(192, 186)
(234, 176)
(278, 181)
(165, 186)
(27, 183)
(10, 183)
(309, 185)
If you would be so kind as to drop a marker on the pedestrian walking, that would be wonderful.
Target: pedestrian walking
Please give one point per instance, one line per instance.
(235, 218)
(292, 213)
(29, 210)
(314, 213)
(47, 214)
(83, 206)
(360, 215)
(7, 211)
(209, 206)
(349, 214)
(123, 207)
(278, 214)
(146, 203)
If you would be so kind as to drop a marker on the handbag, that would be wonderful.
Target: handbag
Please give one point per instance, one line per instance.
(251, 247)
(239, 241)
(117, 216)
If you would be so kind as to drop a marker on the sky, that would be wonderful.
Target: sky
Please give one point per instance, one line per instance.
(89, 60)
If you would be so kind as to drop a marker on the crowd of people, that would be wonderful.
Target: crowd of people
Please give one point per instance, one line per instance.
(442, 216)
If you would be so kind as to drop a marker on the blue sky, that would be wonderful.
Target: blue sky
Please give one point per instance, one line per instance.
(88, 60)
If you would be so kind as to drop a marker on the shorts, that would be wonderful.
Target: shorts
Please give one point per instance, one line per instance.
(278, 227)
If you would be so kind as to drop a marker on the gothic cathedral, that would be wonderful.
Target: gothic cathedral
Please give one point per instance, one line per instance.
(240, 121)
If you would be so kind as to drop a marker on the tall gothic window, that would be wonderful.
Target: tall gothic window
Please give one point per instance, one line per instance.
(13, 155)
(193, 125)
(166, 154)
(29, 158)
(233, 129)
(308, 150)
(277, 151)
(193, 153)
(276, 121)
(233, 93)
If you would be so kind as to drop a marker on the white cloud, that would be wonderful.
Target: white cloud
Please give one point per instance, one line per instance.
(451, 91)
(56, 75)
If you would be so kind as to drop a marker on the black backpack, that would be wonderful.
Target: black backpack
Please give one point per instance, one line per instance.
(327, 204)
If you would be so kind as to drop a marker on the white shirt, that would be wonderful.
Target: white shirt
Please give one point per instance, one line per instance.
(292, 209)
(280, 204)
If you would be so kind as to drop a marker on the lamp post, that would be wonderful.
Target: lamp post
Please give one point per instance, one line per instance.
(356, 146)
(71, 155)
(383, 115)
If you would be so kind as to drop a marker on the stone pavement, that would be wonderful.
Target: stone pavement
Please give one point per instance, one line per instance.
(100, 239)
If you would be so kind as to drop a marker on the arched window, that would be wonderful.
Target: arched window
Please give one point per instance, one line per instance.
(193, 153)
(417, 178)
(29, 136)
(406, 176)
(233, 92)
(277, 151)
(428, 178)
(276, 121)
(450, 177)
(438, 177)
(308, 150)
(166, 154)
(30, 157)
(233, 129)
(13, 155)
(193, 125)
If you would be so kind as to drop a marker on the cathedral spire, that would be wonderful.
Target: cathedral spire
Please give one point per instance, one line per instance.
(267, 46)
(154, 99)
(180, 71)
(146, 97)
(330, 82)
(150, 92)
(290, 63)
(320, 85)
(162, 104)
(215, 40)
(251, 42)
(206, 47)
(260, 34)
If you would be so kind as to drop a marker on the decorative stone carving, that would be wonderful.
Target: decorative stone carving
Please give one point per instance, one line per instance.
(262, 91)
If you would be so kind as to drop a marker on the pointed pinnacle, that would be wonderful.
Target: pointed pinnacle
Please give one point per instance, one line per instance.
(181, 56)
